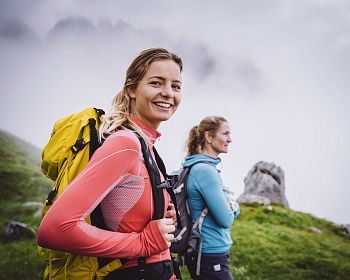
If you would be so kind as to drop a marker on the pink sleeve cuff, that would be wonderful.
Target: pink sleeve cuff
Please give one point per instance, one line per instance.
(154, 239)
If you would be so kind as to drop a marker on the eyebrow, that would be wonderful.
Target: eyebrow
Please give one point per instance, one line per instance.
(163, 79)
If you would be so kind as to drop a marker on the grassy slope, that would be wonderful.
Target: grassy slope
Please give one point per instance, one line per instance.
(20, 175)
(20, 181)
(268, 244)
(275, 245)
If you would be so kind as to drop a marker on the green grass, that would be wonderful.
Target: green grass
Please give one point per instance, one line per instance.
(275, 245)
(267, 244)
(20, 181)
(18, 258)
(20, 175)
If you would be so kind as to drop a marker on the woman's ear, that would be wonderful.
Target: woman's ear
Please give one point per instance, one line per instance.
(207, 137)
(131, 92)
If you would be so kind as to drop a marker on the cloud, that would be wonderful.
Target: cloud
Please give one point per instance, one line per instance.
(249, 75)
(277, 70)
(71, 27)
(201, 60)
(15, 31)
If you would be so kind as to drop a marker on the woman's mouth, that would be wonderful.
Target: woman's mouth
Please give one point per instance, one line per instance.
(163, 105)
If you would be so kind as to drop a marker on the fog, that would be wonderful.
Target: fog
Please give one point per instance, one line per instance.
(277, 70)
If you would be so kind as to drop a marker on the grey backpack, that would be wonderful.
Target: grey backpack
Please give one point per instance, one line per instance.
(187, 237)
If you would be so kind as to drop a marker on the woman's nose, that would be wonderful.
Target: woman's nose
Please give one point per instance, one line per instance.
(167, 91)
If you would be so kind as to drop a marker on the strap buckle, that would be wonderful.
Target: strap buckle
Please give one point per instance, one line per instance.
(79, 145)
(169, 182)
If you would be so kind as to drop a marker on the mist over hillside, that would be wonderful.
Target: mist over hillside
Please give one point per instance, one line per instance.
(14, 148)
(20, 175)
(276, 70)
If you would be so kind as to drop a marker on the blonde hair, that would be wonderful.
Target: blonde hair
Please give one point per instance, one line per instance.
(119, 114)
(196, 139)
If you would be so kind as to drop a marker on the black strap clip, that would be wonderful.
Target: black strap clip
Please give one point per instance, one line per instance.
(169, 182)
(51, 196)
(79, 145)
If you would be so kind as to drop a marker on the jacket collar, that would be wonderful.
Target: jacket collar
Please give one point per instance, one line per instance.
(150, 132)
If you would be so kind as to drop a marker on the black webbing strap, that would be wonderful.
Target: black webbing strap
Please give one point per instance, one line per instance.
(141, 268)
(170, 190)
(96, 216)
(154, 176)
(94, 143)
(157, 194)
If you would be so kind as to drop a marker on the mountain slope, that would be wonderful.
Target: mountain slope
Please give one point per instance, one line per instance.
(278, 244)
(20, 181)
(20, 175)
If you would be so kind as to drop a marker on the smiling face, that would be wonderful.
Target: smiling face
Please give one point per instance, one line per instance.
(158, 94)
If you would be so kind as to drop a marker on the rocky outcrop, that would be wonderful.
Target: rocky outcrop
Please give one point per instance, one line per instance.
(265, 181)
(314, 230)
(345, 230)
(15, 230)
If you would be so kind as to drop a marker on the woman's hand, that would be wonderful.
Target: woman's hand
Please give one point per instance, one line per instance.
(171, 213)
(166, 227)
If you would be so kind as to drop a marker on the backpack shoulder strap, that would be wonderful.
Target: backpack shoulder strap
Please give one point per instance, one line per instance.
(153, 172)
(170, 189)
(198, 223)
(160, 163)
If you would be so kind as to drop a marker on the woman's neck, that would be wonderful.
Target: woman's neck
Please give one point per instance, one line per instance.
(210, 152)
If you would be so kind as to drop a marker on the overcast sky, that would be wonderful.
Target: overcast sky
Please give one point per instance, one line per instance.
(277, 70)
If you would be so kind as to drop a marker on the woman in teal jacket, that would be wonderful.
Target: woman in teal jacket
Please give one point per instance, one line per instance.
(205, 189)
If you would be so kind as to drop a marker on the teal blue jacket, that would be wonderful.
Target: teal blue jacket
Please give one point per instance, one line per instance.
(205, 188)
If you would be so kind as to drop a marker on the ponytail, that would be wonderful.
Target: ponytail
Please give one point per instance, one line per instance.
(193, 142)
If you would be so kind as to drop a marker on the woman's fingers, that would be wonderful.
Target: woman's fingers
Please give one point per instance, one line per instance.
(171, 206)
(166, 227)
(171, 213)
(169, 239)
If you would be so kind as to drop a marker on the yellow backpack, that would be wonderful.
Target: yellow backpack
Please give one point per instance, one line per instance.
(73, 141)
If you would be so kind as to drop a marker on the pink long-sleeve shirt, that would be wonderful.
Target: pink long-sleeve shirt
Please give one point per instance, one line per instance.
(116, 177)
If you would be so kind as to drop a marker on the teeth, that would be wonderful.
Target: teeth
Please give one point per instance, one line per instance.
(164, 105)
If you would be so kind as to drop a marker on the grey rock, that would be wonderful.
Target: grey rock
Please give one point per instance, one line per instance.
(253, 198)
(16, 230)
(266, 180)
(346, 229)
(314, 230)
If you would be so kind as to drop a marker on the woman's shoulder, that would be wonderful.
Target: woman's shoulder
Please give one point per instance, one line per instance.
(203, 168)
(122, 139)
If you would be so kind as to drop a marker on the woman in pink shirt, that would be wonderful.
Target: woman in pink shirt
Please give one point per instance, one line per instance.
(116, 178)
